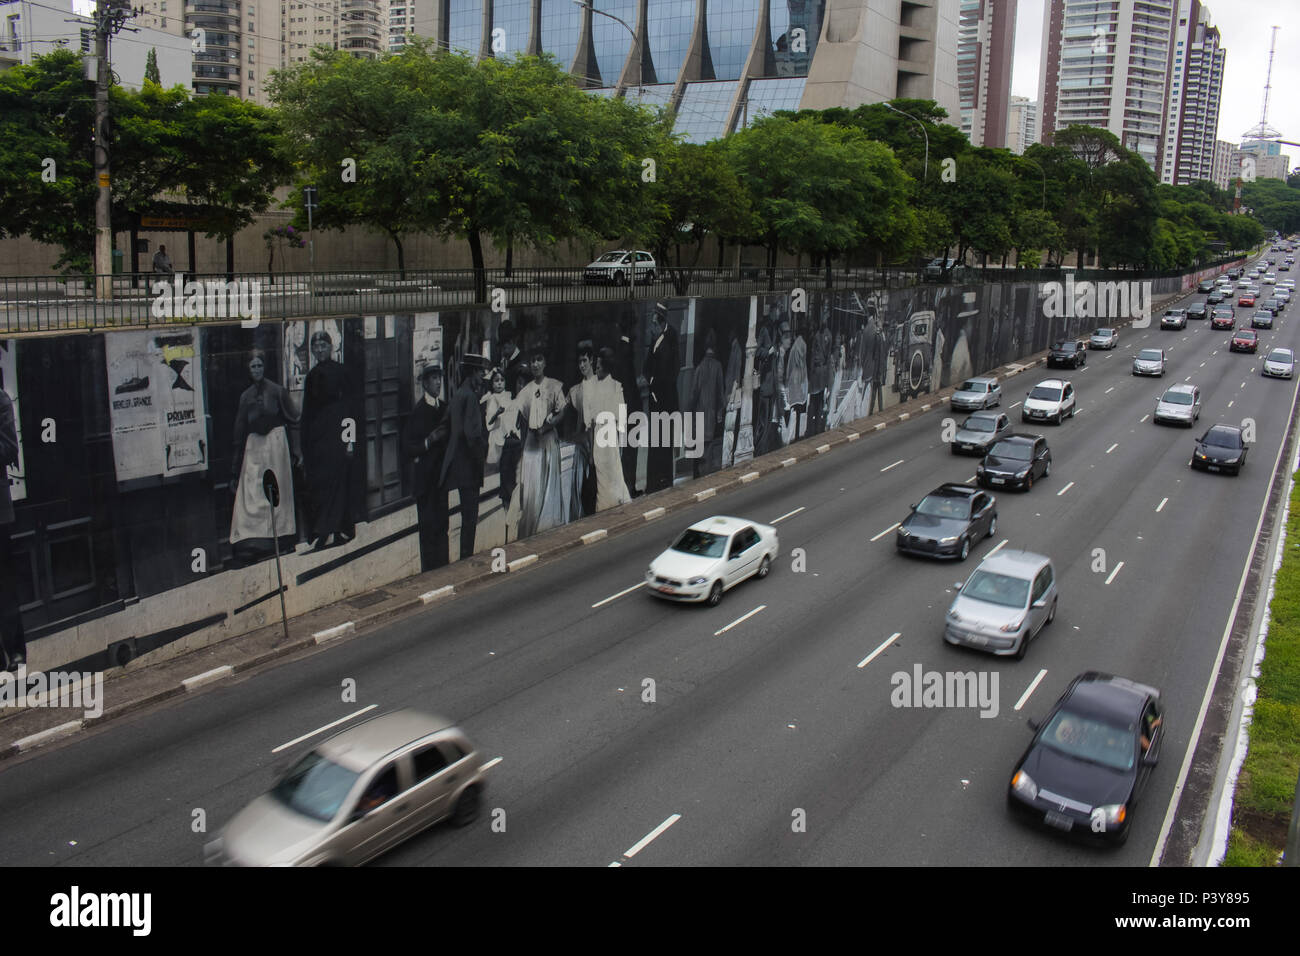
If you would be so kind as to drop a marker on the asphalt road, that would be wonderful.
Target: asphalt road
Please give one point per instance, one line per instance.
(780, 719)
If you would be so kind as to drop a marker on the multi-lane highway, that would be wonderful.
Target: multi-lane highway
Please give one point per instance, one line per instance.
(771, 737)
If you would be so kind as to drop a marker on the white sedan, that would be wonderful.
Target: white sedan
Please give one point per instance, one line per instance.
(713, 556)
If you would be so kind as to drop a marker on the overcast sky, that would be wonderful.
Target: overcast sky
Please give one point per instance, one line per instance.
(1244, 26)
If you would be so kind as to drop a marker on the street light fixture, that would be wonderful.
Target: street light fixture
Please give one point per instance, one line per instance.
(926, 172)
(632, 33)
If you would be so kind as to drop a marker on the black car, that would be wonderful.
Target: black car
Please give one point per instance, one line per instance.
(1196, 310)
(1091, 759)
(1216, 296)
(945, 522)
(1237, 273)
(1222, 448)
(1270, 305)
(1014, 462)
(1072, 354)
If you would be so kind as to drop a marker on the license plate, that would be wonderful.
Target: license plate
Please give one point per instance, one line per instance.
(665, 590)
(976, 639)
(997, 481)
(1212, 467)
(1059, 820)
(967, 447)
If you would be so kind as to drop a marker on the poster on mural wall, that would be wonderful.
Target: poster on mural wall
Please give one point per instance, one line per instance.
(155, 404)
(14, 474)
(426, 349)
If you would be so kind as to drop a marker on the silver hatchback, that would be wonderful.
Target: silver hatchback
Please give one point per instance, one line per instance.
(1010, 598)
(359, 794)
(978, 393)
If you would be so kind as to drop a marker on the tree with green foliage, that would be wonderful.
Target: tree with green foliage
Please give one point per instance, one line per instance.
(980, 203)
(151, 67)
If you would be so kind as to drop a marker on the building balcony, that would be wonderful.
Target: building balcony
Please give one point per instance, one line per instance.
(230, 10)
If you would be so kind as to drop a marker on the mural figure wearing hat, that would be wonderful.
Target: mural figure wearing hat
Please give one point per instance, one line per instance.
(623, 370)
(328, 399)
(424, 442)
(467, 446)
(541, 406)
(662, 365)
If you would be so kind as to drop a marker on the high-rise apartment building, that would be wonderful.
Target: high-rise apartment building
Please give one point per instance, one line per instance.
(401, 21)
(1022, 124)
(1108, 63)
(986, 40)
(1223, 173)
(1195, 84)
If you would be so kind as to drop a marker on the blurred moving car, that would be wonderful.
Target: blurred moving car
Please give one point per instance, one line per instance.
(945, 522)
(1091, 759)
(359, 794)
(713, 556)
(1009, 598)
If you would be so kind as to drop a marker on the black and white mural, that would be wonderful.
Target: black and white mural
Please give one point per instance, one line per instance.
(136, 462)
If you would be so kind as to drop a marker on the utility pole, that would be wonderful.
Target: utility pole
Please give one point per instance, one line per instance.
(110, 16)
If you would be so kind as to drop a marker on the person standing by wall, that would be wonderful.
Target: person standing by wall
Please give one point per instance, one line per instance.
(162, 263)
(467, 447)
(12, 639)
(424, 442)
(663, 365)
(261, 443)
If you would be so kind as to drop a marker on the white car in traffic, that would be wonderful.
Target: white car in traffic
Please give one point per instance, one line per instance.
(713, 556)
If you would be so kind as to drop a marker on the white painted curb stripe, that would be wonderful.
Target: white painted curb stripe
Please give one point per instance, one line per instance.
(787, 462)
(853, 436)
(45, 736)
(523, 562)
(591, 537)
(331, 633)
(207, 677)
(823, 449)
(447, 590)
(747, 478)
(706, 493)
(653, 513)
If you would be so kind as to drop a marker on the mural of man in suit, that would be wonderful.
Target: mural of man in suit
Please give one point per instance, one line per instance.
(11, 618)
(467, 446)
(624, 372)
(424, 442)
(663, 364)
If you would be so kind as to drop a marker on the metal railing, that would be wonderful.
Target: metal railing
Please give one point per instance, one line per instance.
(45, 303)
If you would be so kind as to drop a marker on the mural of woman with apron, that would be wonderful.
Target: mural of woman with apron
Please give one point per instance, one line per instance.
(262, 442)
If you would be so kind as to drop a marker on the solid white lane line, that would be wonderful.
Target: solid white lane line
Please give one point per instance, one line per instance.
(1065, 489)
(321, 730)
(615, 597)
(1163, 502)
(892, 527)
(1112, 448)
(788, 514)
(642, 843)
(996, 548)
(1033, 686)
(894, 465)
(872, 656)
(1111, 577)
(739, 620)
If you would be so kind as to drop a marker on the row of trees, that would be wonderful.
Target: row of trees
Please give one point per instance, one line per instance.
(513, 152)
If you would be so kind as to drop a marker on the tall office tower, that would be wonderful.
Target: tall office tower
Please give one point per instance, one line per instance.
(1196, 81)
(1224, 175)
(986, 39)
(1268, 159)
(1107, 63)
(1022, 124)
(722, 63)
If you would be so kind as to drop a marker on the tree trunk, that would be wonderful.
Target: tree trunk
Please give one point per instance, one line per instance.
(270, 261)
(510, 256)
(480, 273)
(230, 258)
(401, 256)
(722, 252)
(771, 267)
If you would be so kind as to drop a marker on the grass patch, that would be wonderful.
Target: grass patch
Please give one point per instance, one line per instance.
(1261, 809)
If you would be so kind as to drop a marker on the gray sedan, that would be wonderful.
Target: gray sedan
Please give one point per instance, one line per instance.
(982, 392)
(979, 431)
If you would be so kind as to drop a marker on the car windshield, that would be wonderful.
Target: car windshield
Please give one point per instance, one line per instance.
(1246, 334)
(1150, 355)
(1012, 449)
(939, 506)
(971, 385)
(315, 787)
(1222, 438)
(703, 544)
(1102, 334)
(978, 425)
(1177, 398)
(1279, 355)
(1046, 393)
(997, 589)
(1065, 346)
(612, 257)
(1090, 739)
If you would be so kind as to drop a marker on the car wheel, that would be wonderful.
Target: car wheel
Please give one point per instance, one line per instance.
(1060, 417)
(466, 809)
(1073, 408)
(993, 526)
(765, 567)
(1051, 615)
(1047, 468)
(1029, 481)
(965, 548)
(1024, 646)
(715, 594)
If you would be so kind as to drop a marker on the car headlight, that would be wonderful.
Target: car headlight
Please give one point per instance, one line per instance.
(1013, 626)
(1200, 455)
(650, 571)
(1115, 813)
(695, 581)
(1024, 785)
(952, 540)
(1023, 474)
(1232, 461)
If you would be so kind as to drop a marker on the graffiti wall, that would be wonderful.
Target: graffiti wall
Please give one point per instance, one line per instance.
(152, 476)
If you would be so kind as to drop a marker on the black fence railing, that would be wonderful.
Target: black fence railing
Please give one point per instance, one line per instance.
(44, 303)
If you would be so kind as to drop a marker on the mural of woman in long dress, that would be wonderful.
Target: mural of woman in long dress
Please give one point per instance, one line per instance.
(575, 504)
(604, 394)
(541, 405)
(262, 442)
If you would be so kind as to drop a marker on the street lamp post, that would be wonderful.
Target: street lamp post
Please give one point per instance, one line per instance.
(632, 33)
(926, 171)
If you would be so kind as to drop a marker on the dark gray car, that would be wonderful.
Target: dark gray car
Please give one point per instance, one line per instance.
(979, 431)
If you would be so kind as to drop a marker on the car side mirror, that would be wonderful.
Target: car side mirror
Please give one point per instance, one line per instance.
(1041, 602)
(1034, 725)
(957, 586)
